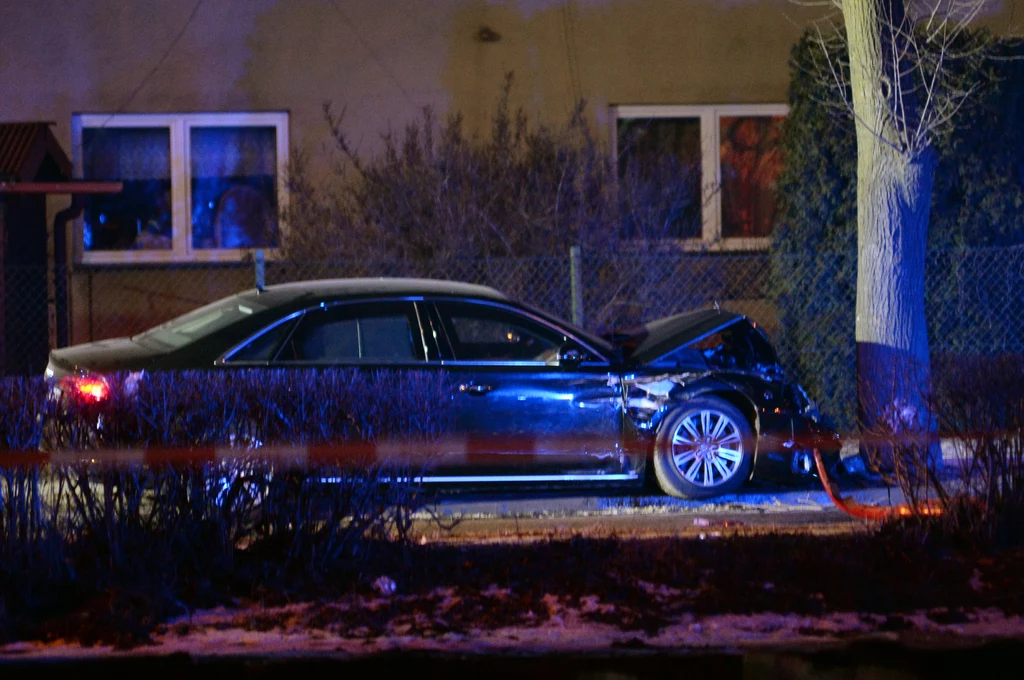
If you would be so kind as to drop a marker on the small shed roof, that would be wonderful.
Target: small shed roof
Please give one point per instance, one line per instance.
(24, 148)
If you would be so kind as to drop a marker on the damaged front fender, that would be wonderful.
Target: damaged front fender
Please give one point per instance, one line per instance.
(784, 431)
(649, 398)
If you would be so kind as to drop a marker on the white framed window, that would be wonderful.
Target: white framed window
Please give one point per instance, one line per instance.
(727, 156)
(198, 187)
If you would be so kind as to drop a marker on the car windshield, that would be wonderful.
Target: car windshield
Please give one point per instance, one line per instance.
(201, 322)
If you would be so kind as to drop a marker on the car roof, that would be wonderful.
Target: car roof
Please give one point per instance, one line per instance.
(302, 292)
(368, 287)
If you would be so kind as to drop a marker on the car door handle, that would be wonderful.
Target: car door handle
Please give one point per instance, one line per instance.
(475, 390)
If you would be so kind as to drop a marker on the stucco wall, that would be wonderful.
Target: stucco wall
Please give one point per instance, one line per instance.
(383, 60)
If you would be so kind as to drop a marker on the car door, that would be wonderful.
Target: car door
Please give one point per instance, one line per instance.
(524, 408)
(366, 335)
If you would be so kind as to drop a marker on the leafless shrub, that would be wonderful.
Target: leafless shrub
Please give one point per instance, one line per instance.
(977, 406)
(320, 519)
(900, 443)
(29, 541)
(33, 548)
(437, 193)
(22, 402)
(244, 409)
(980, 407)
(148, 540)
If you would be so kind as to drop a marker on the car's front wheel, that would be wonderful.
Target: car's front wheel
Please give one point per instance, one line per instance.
(704, 449)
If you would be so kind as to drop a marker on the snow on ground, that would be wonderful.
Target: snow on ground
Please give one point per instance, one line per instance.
(763, 500)
(280, 632)
(218, 633)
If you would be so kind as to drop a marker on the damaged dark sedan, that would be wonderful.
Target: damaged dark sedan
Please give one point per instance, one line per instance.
(696, 402)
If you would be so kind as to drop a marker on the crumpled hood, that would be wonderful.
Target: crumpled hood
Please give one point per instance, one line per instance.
(657, 338)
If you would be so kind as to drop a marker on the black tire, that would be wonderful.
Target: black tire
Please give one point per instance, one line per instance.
(704, 448)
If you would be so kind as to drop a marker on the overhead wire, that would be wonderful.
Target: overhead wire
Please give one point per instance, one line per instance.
(373, 53)
(152, 72)
(571, 57)
(156, 67)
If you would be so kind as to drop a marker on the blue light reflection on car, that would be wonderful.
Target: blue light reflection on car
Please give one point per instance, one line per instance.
(549, 402)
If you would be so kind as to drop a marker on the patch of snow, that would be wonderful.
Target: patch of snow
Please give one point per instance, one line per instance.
(216, 633)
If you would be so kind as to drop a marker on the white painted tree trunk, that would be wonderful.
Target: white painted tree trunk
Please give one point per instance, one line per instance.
(894, 187)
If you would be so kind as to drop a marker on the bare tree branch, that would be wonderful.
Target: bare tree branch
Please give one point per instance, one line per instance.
(927, 46)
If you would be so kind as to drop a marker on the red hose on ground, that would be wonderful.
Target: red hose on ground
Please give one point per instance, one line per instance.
(871, 512)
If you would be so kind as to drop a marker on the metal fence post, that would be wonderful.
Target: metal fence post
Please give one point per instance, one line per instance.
(261, 270)
(576, 284)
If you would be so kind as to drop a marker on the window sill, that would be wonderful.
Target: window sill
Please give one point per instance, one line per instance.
(170, 257)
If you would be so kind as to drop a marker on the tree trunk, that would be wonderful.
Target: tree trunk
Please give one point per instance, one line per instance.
(894, 187)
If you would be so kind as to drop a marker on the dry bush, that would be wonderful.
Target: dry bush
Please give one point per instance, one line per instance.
(30, 543)
(147, 542)
(437, 193)
(245, 408)
(133, 543)
(979, 403)
(976, 404)
(317, 520)
(902, 446)
(898, 437)
(22, 405)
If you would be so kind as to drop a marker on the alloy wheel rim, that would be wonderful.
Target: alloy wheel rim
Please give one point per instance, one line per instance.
(707, 448)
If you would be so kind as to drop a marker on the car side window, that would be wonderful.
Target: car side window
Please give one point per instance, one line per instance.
(482, 332)
(261, 348)
(353, 333)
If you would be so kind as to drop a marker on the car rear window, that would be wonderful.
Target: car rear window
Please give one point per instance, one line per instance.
(262, 347)
(201, 322)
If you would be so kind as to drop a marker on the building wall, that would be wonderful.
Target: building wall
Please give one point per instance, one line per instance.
(382, 61)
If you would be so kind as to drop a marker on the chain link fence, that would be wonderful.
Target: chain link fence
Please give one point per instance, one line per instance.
(609, 292)
(25, 320)
(975, 300)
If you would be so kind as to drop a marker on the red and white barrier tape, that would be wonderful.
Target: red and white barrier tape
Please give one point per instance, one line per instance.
(472, 451)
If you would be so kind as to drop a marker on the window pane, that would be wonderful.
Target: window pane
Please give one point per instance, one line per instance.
(660, 177)
(333, 341)
(750, 162)
(386, 338)
(261, 348)
(138, 218)
(352, 333)
(481, 333)
(234, 187)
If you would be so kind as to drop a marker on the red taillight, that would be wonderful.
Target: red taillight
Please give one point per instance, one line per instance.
(87, 387)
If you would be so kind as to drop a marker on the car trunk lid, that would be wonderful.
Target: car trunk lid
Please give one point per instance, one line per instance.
(115, 354)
